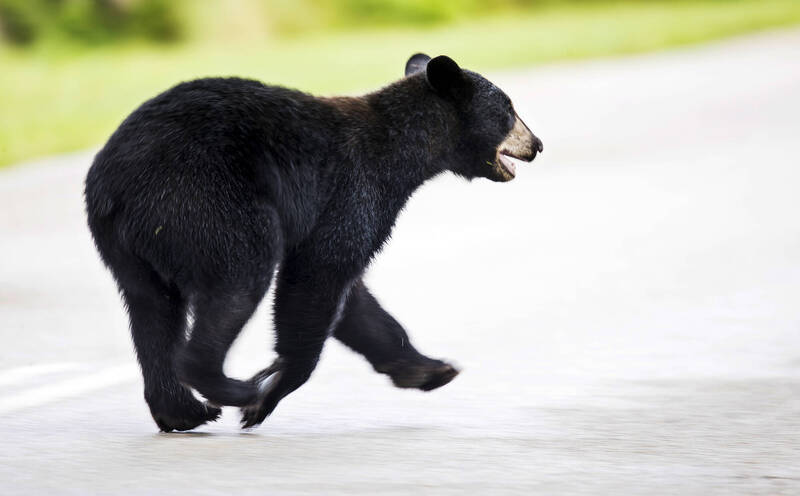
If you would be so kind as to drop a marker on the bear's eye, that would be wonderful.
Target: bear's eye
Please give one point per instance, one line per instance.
(510, 119)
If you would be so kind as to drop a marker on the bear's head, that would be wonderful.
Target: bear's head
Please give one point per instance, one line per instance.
(490, 133)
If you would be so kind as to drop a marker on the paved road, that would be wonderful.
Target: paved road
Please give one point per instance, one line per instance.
(625, 312)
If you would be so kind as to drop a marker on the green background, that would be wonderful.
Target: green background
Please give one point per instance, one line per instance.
(73, 69)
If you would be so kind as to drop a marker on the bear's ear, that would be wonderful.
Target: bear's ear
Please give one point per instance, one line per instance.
(416, 63)
(444, 75)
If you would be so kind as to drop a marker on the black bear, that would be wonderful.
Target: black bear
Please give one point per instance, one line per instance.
(212, 188)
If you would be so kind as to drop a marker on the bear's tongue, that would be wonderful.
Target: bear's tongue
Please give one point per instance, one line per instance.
(508, 164)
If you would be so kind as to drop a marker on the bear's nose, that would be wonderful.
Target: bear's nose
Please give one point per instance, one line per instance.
(537, 144)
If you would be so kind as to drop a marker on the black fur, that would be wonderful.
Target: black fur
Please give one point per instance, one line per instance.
(205, 190)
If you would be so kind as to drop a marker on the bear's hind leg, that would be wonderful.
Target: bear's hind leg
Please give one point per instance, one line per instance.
(158, 324)
(368, 329)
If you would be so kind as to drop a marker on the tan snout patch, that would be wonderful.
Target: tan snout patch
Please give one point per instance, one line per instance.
(519, 145)
(519, 142)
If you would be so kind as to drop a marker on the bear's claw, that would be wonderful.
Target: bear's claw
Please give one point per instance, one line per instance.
(266, 381)
(425, 375)
(439, 377)
(187, 421)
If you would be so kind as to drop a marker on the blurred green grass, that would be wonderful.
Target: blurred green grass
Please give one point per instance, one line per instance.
(55, 99)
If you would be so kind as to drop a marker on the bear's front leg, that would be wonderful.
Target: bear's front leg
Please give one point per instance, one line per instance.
(309, 299)
(368, 329)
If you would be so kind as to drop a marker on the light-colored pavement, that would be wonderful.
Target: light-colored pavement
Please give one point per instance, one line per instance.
(626, 314)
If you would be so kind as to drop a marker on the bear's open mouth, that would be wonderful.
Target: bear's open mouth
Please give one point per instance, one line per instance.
(520, 145)
(508, 163)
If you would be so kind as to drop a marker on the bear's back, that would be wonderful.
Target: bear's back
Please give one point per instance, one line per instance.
(222, 156)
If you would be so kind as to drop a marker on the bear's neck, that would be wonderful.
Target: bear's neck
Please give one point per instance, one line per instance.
(389, 143)
(385, 145)
(401, 135)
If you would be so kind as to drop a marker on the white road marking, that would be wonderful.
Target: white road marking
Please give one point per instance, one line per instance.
(19, 374)
(69, 388)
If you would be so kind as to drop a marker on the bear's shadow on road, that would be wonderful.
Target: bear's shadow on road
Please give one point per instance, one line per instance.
(263, 433)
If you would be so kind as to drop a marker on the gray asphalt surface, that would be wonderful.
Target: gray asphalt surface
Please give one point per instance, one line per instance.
(625, 313)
